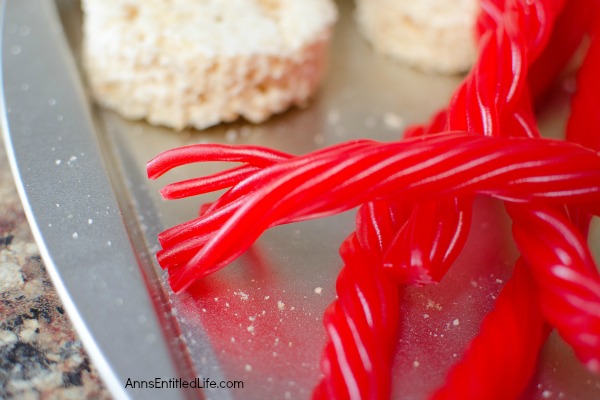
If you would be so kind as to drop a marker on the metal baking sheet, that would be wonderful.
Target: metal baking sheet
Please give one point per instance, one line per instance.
(81, 173)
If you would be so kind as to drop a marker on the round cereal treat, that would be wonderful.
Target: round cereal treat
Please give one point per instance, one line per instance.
(197, 63)
(432, 35)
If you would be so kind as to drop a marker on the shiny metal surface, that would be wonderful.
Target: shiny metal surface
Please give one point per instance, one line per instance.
(258, 320)
(70, 203)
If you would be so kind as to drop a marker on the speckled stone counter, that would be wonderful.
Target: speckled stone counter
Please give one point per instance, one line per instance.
(40, 354)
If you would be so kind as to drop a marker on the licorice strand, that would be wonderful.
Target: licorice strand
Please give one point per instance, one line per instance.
(566, 275)
(503, 55)
(492, 102)
(482, 372)
(411, 160)
(585, 102)
(467, 375)
(364, 318)
(572, 25)
(253, 155)
(510, 178)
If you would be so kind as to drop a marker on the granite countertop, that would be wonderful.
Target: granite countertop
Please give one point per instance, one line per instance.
(41, 356)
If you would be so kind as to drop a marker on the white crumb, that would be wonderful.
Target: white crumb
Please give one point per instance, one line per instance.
(393, 120)
(243, 296)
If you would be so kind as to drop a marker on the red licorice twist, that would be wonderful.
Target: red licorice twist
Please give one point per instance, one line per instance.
(366, 312)
(566, 37)
(420, 169)
(566, 275)
(523, 332)
(415, 209)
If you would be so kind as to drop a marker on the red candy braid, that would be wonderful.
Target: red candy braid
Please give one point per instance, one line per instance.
(516, 169)
(565, 273)
(483, 372)
(506, 49)
(585, 103)
(471, 369)
(365, 314)
(519, 45)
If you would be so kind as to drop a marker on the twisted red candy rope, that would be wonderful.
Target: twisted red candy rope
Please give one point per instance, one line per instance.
(566, 37)
(316, 185)
(366, 312)
(503, 98)
(517, 169)
(493, 101)
(568, 280)
(524, 331)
